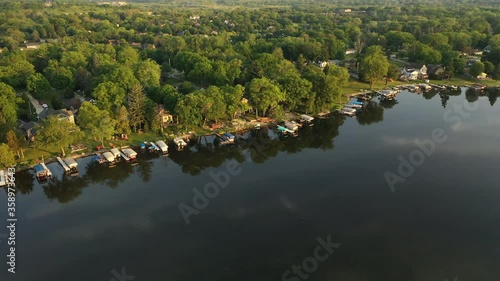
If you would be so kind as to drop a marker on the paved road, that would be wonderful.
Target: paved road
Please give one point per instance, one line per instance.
(36, 105)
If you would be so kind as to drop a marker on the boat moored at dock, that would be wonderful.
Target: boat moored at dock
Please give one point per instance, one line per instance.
(42, 172)
(162, 146)
(72, 165)
(110, 158)
(116, 153)
(153, 148)
(306, 119)
(128, 154)
(179, 143)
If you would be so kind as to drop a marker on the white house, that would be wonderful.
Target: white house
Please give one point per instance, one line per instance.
(416, 73)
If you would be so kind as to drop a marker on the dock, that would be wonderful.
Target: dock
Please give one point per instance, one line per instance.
(65, 167)
(153, 147)
(225, 139)
(3, 181)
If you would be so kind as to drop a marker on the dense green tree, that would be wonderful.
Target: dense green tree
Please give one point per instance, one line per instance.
(96, 122)
(7, 157)
(148, 73)
(38, 85)
(476, 69)
(374, 65)
(264, 95)
(8, 109)
(109, 96)
(58, 132)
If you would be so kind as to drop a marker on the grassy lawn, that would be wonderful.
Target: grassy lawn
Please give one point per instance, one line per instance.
(356, 86)
(462, 80)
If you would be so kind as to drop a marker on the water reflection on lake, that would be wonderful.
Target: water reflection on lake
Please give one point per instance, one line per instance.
(442, 222)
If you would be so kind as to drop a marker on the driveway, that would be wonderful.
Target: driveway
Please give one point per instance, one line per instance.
(36, 104)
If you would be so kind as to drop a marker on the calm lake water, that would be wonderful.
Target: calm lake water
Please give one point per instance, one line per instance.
(442, 222)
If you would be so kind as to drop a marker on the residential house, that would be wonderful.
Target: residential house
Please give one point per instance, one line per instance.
(350, 52)
(487, 49)
(27, 129)
(31, 45)
(62, 114)
(435, 71)
(482, 76)
(414, 72)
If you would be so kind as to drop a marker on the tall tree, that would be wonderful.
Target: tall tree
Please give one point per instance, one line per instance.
(374, 65)
(58, 132)
(136, 100)
(122, 121)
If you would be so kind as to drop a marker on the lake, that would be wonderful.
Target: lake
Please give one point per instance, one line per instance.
(392, 208)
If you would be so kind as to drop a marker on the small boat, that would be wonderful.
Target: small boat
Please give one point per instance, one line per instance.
(452, 87)
(42, 172)
(98, 158)
(347, 111)
(478, 87)
(3, 180)
(162, 146)
(306, 118)
(256, 127)
(152, 147)
(291, 125)
(71, 163)
(110, 158)
(229, 137)
(142, 145)
(129, 154)
(116, 153)
(350, 105)
(284, 130)
(179, 143)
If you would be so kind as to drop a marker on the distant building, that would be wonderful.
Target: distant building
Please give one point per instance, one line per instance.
(62, 114)
(31, 45)
(350, 52)
(415, 72)
(435, 71)
(27, 129)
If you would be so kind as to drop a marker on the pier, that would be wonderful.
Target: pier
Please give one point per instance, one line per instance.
(65, 167)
